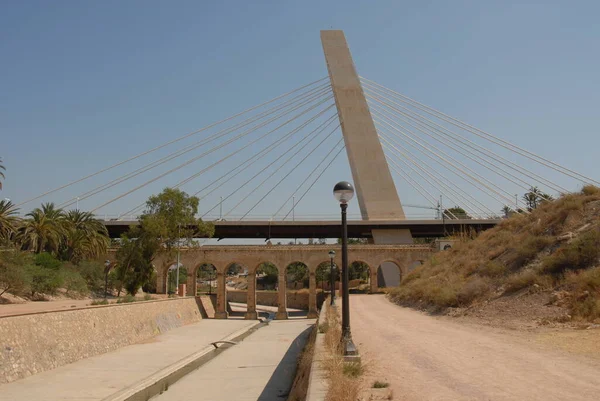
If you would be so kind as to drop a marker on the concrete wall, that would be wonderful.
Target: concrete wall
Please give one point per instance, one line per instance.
(295, 300)
(34, 343)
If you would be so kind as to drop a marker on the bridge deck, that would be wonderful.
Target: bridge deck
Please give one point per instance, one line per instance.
(324, 229)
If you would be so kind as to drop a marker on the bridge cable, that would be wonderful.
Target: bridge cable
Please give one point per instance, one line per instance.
(470, 202)
(469, 154)
(170, 142)
(290, 172)
(468, 170)
(437, 129)
(489, 137)
(255, 157)
(141, 205)
(466, 199)
(313, 133)
(204, 154)
(308, 176)
(314, 182)
(193, 146)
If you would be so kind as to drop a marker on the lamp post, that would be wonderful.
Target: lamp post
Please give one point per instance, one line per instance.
(343, 192)
(106, 270)
(332, 278)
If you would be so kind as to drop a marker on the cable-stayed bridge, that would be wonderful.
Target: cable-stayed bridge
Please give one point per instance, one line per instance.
(279, 160)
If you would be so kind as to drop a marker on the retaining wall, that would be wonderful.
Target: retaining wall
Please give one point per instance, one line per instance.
(295, 299)
(34, 343)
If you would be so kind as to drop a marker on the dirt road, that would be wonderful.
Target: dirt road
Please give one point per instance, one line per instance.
(433, 358)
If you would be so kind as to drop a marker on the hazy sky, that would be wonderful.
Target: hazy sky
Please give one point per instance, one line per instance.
(86, 84)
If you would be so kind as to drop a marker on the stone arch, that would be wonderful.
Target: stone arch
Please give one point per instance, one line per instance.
(389, 274)
(205, 277)
(359, 275)
(271, 277)
(296, 275)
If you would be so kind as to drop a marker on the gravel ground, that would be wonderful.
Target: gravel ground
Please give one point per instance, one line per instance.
(435, 358)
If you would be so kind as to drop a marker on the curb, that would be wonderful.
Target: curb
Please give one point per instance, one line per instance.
(317, 381)
(160, 381)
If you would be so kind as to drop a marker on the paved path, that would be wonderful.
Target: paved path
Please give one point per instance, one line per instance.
(261, 367)
(427, 358)
(98, 377)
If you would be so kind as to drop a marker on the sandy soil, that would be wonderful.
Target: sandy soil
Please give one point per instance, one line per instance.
(436, 358)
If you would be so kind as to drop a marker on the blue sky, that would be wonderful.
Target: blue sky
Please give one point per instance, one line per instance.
(87, 84)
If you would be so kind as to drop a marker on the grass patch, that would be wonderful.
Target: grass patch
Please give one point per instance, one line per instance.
(99, 302)
(323, 327)
(380, 384)
(126, 299)
(353, 369)
(148, 297)
(341, 386)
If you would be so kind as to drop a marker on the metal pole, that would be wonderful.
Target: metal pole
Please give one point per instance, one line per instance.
(177, 271)
(332, 281)
(221, 209)
(77, 203)
(348, 345)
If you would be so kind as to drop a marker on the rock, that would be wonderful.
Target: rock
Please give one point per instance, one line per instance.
(566, 236)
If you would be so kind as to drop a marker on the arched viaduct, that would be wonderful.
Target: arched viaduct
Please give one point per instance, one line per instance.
(250, 257)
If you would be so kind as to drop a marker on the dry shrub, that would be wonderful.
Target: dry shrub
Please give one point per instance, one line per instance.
(473, 289)
(493, 268)
(585, 303)
(590, 190)
(527, 278)
(342, 387)
(582, 252)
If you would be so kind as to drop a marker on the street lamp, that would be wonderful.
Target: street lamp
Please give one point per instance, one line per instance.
(332, 278)
(106, 270)
(343, 192)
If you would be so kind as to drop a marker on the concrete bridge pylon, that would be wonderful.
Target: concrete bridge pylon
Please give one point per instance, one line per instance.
(376, 192)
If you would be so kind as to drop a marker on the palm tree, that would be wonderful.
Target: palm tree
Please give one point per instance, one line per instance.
(85, 236)
(2, 168)
(43, 230)
(8, 219)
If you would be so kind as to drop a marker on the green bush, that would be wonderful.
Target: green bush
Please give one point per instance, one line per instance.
(73, 282)
(99, 302)
(126, 299)
(47, 261)
(43, 280)
(379, 384)
(92, 272)
(14, 276)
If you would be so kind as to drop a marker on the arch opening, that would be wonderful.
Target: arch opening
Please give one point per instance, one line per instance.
(359, 277)
(172, 277)
(389, 274)
(206, 279)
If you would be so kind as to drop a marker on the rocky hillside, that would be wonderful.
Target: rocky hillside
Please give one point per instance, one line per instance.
(547, 262)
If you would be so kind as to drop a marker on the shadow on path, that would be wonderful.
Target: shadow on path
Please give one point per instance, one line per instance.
(279, 385)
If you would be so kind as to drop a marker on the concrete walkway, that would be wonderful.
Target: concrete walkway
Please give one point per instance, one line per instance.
(101, 376)
(262, 367)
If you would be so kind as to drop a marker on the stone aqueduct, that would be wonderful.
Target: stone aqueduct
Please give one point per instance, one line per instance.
(250, 257)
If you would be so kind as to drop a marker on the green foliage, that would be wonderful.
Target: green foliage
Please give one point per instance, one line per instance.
(99, 302)
(456, 212)
(126, 299)
(172, 276)
(92, 272)
(14, 276)
(358, 270)
(267, 274)
(323, 327)
(297, 272)
(170, 217)
(9, 220)
(2, 170)
(379, 384)
(73, 282)
(43, 280)
(47, 261)
(353, 369)
(234, 269)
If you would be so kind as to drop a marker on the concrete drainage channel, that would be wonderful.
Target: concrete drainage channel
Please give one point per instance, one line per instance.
(160, 381)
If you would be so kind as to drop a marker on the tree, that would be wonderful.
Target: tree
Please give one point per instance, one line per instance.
(85, 237)
(297, 272)
(43, 230)
(2, 169)
(268, 272)
(456, 212)
(535, 197)
(14, 275)
(134, 259)
(171, 218)
(9, 220)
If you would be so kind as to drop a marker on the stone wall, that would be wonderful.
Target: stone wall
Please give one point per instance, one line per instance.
(34, 343)
(295, 299)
